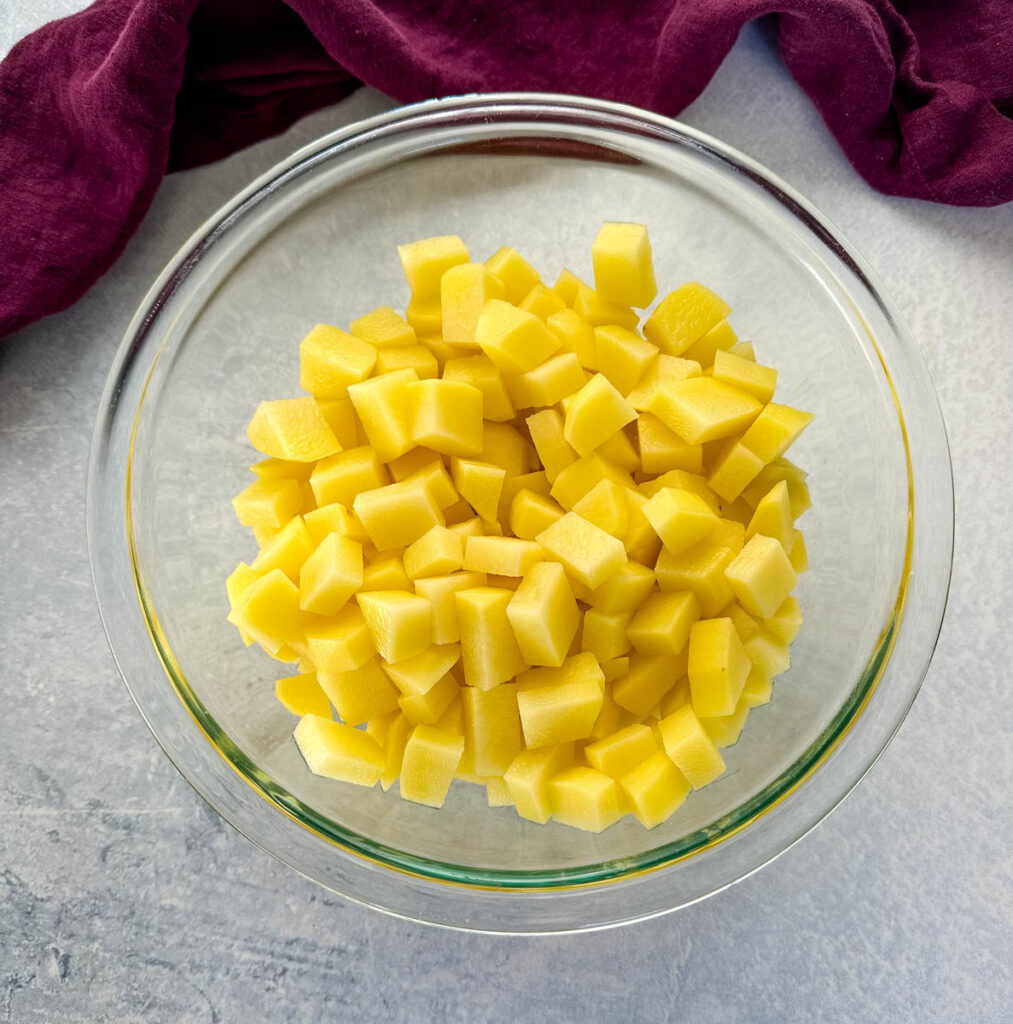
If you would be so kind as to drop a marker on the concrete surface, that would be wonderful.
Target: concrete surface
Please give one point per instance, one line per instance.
(123, 898)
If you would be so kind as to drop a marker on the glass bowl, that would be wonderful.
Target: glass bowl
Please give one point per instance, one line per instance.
(314, 240)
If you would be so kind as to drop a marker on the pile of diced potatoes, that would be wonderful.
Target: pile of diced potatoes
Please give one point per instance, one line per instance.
(519, 539)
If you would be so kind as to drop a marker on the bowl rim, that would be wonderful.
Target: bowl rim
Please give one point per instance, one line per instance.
(533, 107)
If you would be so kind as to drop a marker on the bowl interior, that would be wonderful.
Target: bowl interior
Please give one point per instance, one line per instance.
(321, 247)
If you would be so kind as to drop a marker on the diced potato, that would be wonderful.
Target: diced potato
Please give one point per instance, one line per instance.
(339, 414)
(489, 652)
(703, 409)
(665, 370)
(623, 356)
(654, 789)
(745, 625)
(744, 350)
(675, 698)
(361, 694)
(579, 477)
(385, 572)
(662, 623)
(606, 506)
(425, 262)
(331, 359)
(504, 556)
(680, 518)
(480, 484)
(683, 317)
(772, 516)
(626, 590)
(528, 777)
(302, 695)
(574, 335)
(330, 575)
(437, 552)
(549, 382)
(428, 708)
(768, 654)
(734, 471)
(398, 514)
(383, 328)
(774, 431)
(584, 798)
(757, 689)
(717, 668)
(594, 414)
(623, 268)
(395, 738)
(504, 446)
(340, 644)
(554, 451)
(536, 483)
(497, 792)
(481, 372)
(604, 634)
(566, 286)
(417, 675)
(619, 450)
(700, 569)
(690, 747)
(399, 623)
(515, 340)
(530, 513)
(440, 591)
(650, 677)
(385, 411)
(287, 550)
(785, 623)
(281, 469)
(592, 308)
(292, 429)
(270, 612)
(517, 275)
(761, 576)
(431, 757)
(564, 710)
(411, 357)
(662, 449)
(588, 553)
(492, 727)
(464, 290)
(425, 317)
(446, 416)
(542, 301)
(623, 750)
(339, 478)
(641, 540)
(436, 480)
(725, 730)
(719, 337)
(758, 381)
(615, 668)
(337, 751)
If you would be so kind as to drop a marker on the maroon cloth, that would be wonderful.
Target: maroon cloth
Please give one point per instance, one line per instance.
(95, 108)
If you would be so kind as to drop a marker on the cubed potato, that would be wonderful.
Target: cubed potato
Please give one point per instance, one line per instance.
(772, 517)
(399, 623)
(281, 469)
(497, 792)
(530, 513)
(395, 739)
(437, 552)
(626, 590)
(446, 416)
(514, 271)
(662, 623)
(566, 286)
(548, 383)
(436, 480)
(383, 328)
(426, 261)
(537, 483)
(385, 572)
(654, 789)
(584, 798)
(384, 409)
(683, 317)
(588, 553)
(690, 747)
(330, 359)
(425, 317)
(719, 337)
(594, 414)
(574, 335)
(675, 698)
(761, 576)
(581, 476)
(342, 643)
(554, 451)
(650, 677)
(768, 654)
(337, 751)
(702, 409)
(492, 727)
(597, 311)
(361, 694)
(604, 634)
(505, 446)
(293, 429)
(615, 668)
(398, 514)
(429, 708)
(410, 357)
(680, 518)
(481, 372)
(431, 757)
(330, 575)
(662, 372)
(717, 668)
(734, 472)
(417, 675)
(339, 478)
(725, 730)
(302, 695)
(774, 431)
(620, 450)
(528, 777)
(785, 623)
(480, 484)
(758, 381)
(757, 688)
(504, 556)
(623, 356)
(270, 613)
(623, 267)
(287, 550)
(464, 290)
(606, 506)
(662, 449)
(515, 340)
(564, 709)
(542, 301)
(619, 753)
(489, 652)
(440, 591)
(339, 414)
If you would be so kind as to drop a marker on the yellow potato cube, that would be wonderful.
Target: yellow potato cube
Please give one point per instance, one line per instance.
(604, 634)
(761, 576)
(649, 679)
(584, 798)
(597, 311)
(425, 262)
(594, 414)
(481, 372)
(302, 695)
(515, 340)
(661, 373)
(413, 462)
(280, 469)
(773, 431)
(619, 450)
(292, 429)
(626, 590)
(394, 740)
(554, 451)
(440, 591)
(779, 469)
(734, 471)
(700, 569)
(608, 718)
(464, 290)
(425, 317)
(772, 517)
(428, 708)
(437, 552)
(417, 675)
(745, 625)
(269, 612)
(703, 409)
(504, 556)
(285, 550)
(654, 789)
(436, 480)
(566, 286)
(536, 483)
(341, 644)
(719, 337)
(528, 777)
(498, 792)
(683, 317)
(785, 623)
(472, 527)
(530, 513)
(544, 615)
(574, 335)
(337, 751)
(606, 506)
(398, 514)
(623, 268)
(542, 301)
(768, 654)
(758, 381)
(339, 478)
(642, 543)
(339, 414)
(757, 689)
(744, 350)
(662, 624)
(680, 518)
(383, 328)
(662, 449)
(690, 747)
(411, 357)
(384, 408)
(725, 730)
(675, 698)
(550, 382)
(560, 712)
(619, 753)
(504, 446)
(517, 275)
(431, 757)
(385, 573)
(573, 482)
(615, 668)
(492, 727)
(331, 359)
(330, 575)
(623, 356)
(361, 694)
(452, 720)
(717, 668)
(588, 553)
(446, 416)
(480, 484)
(399, 623)
(489, 652)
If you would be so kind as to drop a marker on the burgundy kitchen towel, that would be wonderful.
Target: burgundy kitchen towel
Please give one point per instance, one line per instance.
(95, 108)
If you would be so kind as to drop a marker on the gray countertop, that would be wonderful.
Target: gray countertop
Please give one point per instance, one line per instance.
(124, 898)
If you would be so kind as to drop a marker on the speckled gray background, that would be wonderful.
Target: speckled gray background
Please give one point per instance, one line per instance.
(123, 898)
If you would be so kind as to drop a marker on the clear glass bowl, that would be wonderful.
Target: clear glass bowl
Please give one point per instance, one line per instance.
(315, 240)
